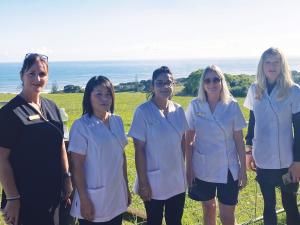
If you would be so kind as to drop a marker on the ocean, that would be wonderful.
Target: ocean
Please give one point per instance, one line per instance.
(78, 73)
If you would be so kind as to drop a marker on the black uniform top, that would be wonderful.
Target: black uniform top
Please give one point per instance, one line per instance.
(296, 125)
(35, 144)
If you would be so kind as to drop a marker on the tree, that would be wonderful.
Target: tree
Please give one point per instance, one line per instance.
(54, 88)
(72, 89)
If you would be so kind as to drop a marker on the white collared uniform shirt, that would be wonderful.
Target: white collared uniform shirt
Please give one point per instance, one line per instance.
(214, 150)
(162, 136)
(273, 133)
(103, 167)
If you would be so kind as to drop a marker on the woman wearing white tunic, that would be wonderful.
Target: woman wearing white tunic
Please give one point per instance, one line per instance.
(158, 129)
(97, 141)
(274, 104)
(215, 156)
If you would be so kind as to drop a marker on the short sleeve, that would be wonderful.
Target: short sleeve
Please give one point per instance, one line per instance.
(249, 100)
(296, 100)
(190, 116)
(138, 126)
(78, 141)
(239, 120)
(9, 129)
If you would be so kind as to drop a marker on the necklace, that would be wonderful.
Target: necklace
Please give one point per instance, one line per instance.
(37, 106)
(160, 108)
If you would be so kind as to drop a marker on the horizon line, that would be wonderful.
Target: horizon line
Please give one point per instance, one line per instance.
(160, 59)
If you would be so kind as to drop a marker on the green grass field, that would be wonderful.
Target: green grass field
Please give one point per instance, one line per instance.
(250, 204)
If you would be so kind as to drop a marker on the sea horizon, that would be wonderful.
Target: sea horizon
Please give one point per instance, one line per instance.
(120, 71)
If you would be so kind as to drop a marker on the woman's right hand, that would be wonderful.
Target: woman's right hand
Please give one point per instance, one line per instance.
(190, 176)
(250, 162)
(11, 212)
(145, 192)
(87, 209)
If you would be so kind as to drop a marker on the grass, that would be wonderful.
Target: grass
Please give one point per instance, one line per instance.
(249, 205)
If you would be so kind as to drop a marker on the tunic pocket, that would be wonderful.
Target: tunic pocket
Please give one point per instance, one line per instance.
(154, 179)
(98, 196)
(198, 161)
(152, 176)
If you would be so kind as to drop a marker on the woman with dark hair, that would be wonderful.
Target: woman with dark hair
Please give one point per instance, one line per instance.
(157, 130)
(97, 142)
(33, 158)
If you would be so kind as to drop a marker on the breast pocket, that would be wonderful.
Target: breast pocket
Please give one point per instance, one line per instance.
(260, 107)
(202, 123)
(154, 130)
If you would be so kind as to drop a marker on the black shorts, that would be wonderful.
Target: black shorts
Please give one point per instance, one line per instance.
(227, 193)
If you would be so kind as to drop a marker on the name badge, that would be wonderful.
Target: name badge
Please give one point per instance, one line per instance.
(201, 114)
(34, 117)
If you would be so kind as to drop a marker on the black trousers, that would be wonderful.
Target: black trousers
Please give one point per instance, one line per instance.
(115, 221)
(36, 215)
(173, 210)
(268, 180)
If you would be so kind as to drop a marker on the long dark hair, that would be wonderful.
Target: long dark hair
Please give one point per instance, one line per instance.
(91, 84)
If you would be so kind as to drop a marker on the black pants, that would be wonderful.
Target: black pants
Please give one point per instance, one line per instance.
(36, 215)
(115, 221)
(173, 210)
(268, 180)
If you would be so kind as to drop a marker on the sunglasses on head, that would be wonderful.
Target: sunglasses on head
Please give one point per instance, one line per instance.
(214, 80)
(42, 57)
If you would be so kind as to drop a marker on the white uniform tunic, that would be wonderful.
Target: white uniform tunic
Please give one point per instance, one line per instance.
(214, 150)
(162, 136)
(273, 134)
(103, 167)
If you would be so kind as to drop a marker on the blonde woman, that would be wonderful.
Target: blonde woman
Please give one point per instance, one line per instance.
(274, 104)
(215, 153)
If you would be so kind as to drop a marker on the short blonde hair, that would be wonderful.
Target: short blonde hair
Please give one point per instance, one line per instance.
(225, 95)
(284, 80)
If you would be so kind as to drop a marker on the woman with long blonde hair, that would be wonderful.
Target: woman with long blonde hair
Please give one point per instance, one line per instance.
(215, 151)
(273, 149)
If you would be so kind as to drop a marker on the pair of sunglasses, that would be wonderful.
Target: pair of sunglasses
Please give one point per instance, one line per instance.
(167, 83)
(214, 80)
(42, 57)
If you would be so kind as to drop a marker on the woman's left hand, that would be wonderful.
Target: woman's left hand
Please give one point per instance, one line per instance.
(68, 189)
(243, 180)
(294, 170)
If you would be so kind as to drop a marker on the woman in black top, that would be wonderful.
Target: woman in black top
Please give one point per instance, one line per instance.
(33, 158)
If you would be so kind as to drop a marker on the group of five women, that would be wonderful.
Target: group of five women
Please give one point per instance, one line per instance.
(201, 149)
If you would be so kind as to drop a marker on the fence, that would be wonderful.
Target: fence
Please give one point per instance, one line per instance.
(249, 209)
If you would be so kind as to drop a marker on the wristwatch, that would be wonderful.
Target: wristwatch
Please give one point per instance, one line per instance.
(67, 174)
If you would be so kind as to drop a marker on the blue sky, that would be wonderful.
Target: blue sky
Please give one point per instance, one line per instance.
(138, 29)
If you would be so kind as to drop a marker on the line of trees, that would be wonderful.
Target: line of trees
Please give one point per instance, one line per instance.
(238, 84)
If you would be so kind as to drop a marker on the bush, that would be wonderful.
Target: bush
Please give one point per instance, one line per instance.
(238, 84)
(72, 89)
